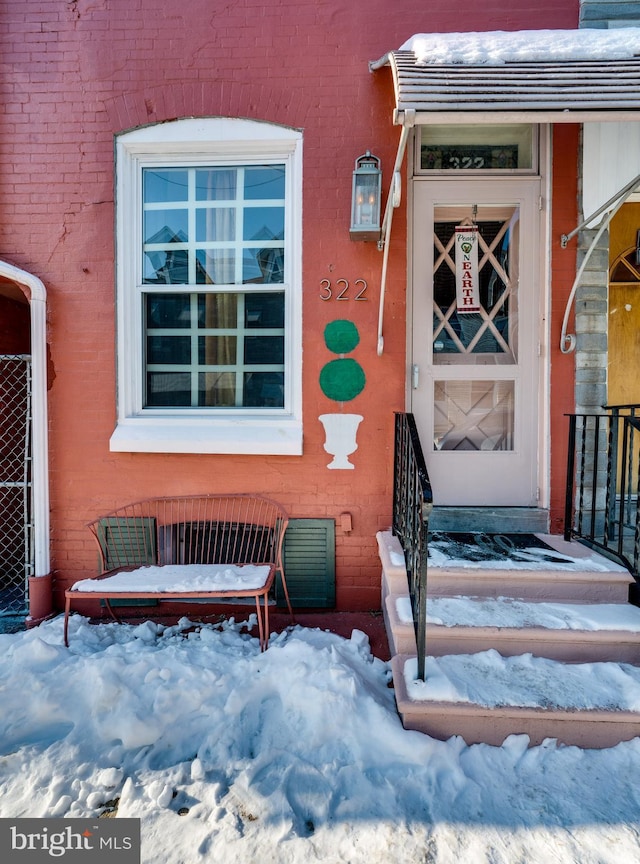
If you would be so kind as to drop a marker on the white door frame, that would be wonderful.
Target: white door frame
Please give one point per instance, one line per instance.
(532, 495)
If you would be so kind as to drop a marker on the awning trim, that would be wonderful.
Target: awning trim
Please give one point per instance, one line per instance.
(567, 91)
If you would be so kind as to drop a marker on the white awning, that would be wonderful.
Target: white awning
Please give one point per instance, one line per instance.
(527, 76)
(534, 76)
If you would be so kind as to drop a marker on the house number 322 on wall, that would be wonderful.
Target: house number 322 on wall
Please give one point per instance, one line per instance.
(341, 289)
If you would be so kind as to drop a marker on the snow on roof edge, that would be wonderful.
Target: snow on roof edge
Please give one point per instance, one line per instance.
(499, 46)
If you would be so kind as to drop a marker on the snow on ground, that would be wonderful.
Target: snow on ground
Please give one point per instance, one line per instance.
(294, 755)
(521, 46)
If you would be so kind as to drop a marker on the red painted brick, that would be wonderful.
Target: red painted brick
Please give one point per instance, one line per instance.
(79, 73)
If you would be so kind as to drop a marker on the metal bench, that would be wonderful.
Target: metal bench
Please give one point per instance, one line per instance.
(200, 547)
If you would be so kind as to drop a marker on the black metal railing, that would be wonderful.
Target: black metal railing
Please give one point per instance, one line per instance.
(412, 505)
(602, 505)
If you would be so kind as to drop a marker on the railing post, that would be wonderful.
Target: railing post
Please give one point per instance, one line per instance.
(571, 467)
(612, 471)
(421, 616)
(412, 503)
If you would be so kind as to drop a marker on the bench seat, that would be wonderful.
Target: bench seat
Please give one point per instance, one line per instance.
(189, 548)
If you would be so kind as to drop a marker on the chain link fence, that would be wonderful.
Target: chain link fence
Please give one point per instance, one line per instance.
(16, 528)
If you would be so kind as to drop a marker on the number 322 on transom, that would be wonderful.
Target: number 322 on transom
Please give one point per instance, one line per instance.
(342, 290)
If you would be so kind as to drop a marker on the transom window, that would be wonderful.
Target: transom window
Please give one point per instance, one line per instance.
(209, 288)
(477, 149)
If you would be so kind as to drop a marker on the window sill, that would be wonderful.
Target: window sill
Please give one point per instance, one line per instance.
(259, 436)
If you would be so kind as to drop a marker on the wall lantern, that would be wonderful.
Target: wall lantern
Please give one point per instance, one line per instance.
(366, 196)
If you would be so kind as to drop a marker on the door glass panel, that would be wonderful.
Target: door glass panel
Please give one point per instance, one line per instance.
(473, 415)
(489, 335)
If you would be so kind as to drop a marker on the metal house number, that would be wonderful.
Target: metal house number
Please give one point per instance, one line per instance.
(343, 289)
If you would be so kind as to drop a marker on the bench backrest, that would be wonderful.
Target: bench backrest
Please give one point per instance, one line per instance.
(194, 529)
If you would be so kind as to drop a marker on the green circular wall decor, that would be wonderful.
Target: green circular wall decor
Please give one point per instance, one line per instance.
(342, 380)
(341, 336)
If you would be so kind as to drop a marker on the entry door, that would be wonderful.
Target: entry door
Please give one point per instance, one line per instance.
(474, 374)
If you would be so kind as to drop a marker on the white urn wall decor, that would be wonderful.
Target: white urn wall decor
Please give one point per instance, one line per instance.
(340, 437)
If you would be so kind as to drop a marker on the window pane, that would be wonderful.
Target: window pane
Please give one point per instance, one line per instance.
(166, 226)
(163, 350)
(215, 224)
(264, 182)
(168, 310)
(473, 415)
(263, 223)
(215, 267)
(217, 310)
(168, 388)
(489, 335)
(263, 390)
(164, 185)
(172, 268)
(217, 350)
(216, 184)
(263, 350)
(217, 390)
(264, 266)
(264, 310)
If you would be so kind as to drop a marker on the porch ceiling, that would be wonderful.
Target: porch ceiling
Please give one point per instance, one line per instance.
(536, 91)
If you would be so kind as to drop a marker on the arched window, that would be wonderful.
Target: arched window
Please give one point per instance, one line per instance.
(626, 268)
(209, 287)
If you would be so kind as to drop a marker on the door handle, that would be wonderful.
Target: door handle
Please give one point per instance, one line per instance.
(415, 376)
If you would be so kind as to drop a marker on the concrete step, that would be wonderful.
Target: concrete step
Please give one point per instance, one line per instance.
(423, 708)
(560, 614)
(495, 520)
(574, 633)
(580, 575)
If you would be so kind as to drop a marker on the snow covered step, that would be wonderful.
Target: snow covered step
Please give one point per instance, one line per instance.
(484, 698)
(575, 574)
(559, 631)
(569, 571)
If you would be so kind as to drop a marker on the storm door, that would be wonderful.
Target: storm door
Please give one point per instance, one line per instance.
(475, 338)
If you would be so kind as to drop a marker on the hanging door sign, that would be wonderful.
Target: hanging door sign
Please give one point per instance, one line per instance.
(467, 283)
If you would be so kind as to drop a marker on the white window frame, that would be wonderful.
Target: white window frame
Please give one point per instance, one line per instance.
(210, 141)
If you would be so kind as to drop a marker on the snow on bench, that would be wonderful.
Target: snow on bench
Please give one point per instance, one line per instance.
(188, 548)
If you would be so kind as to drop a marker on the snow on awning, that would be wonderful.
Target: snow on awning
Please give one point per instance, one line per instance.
(526, 76)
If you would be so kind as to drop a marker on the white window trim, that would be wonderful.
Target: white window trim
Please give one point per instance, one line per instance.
(203, 141)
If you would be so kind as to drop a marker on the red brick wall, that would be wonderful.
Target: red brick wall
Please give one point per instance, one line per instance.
(76, 73)
(566, 139)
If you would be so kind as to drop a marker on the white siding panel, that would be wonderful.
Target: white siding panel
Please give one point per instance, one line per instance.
(611, 159)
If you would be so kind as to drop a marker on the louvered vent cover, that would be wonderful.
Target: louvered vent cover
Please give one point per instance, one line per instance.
(309, 563)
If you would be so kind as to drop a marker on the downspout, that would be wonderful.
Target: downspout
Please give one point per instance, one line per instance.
(393, 201)
(568, 340)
